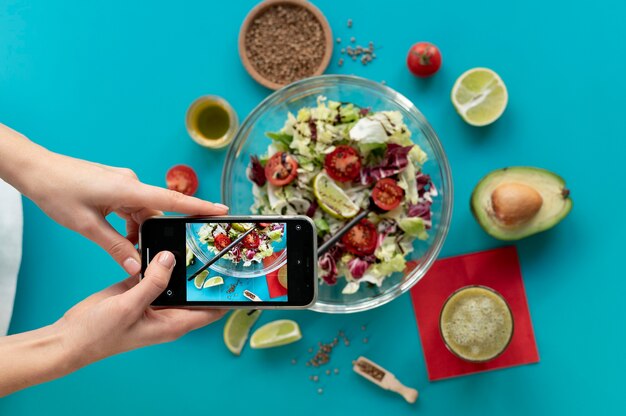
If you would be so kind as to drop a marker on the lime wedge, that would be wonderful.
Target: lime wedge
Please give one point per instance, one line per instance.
(479, 96)
(332, 198)
(275, 334)
(282, 276)
(214, 281)
(237, 329)
(240, 227)
(199, 280)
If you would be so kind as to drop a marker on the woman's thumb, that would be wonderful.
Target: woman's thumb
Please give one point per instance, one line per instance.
(155, 279)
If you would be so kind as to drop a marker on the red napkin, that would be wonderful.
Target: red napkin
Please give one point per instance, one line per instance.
(498, 269)
(274, 287)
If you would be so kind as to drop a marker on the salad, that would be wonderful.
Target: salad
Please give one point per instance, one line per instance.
(255, 247)
(334, 160)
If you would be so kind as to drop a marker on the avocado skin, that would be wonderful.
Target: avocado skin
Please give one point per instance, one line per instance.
(488, 223)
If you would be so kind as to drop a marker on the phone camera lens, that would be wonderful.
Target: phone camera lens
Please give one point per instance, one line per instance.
(298, 227)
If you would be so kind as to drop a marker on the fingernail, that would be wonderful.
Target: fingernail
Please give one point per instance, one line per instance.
(131, 266)
(221, 206)
(167, 259)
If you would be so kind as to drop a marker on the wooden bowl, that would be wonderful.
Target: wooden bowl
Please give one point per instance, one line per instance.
(261, 8)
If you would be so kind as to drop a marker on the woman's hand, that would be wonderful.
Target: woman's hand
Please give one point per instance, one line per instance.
(80, 194)
(120, 318)
(109, 322)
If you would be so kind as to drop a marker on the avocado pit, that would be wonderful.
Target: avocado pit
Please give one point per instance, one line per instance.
(515, 203)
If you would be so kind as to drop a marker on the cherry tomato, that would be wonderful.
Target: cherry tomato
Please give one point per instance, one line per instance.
(281, 169)
(265, 224)
(387, 194)
(361, 239)
(424, 59)
(183, 179)
(221, 241)
(343, 164)
(251, 241)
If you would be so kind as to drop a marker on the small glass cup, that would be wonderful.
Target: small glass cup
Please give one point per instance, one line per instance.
(504, 339)
(193, 113)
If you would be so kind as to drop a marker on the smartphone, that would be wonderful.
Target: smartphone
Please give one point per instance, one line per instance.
(256, 262)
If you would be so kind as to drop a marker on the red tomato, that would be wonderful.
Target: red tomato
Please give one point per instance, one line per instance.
(424, 59)
(361, 239)
(343, 164)
(251, 241)
(281, 169)
(221, 241)
(183, 179)
(387, 194)
(265, 224)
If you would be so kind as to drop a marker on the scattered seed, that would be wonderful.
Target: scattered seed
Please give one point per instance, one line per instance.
(315, 378)
(383, 82)
(349, 22)
(320, 390)
(338, 40)
(346, 343)
(352, 39)
(293, 361)
(363, 327)
(327, 372)
(365, 340)
(336, 371)
(311, 349)
(340, 63)
(343, 50)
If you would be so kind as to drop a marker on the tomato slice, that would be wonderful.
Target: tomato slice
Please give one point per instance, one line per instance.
(221, 241)
(183, 179)
(387, 194)
(343, 164)
(265, 224)
(281, 169)
(252, 240)
(361, 239)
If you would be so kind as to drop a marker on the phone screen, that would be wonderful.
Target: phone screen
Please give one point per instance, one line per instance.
(235, 261)
(254, 269)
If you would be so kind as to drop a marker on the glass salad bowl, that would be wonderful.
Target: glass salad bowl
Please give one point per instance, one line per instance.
(270, 115)
(226, 267)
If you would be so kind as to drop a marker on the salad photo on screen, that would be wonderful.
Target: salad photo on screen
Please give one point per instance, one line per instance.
(252, 270)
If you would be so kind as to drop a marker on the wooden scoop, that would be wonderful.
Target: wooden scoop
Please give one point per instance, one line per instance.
(383, 378)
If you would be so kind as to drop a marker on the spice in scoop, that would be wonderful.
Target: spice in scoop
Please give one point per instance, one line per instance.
(383, 378)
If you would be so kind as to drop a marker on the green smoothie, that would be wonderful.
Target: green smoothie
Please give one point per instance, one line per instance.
(476, 323)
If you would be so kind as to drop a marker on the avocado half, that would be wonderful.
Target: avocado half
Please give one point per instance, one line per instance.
(537, 196)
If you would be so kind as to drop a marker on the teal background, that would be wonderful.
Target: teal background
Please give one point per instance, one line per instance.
(110, 82)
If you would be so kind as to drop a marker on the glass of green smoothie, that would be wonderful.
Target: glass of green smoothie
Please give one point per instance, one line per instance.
(476, 323)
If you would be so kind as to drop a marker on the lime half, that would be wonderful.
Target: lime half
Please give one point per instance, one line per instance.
(275, 334)
(332, 198)
(479, 96)
(237, 329)
(199, 279)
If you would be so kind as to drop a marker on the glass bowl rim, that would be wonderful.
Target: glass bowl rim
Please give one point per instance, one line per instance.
(439, 155)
